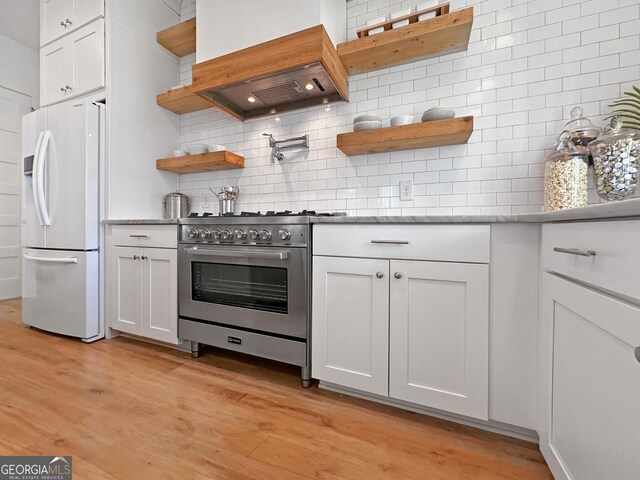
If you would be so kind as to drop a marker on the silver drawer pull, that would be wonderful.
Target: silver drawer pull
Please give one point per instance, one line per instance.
(391, 242)
(380, 275)
(575, 251)
(139, 236)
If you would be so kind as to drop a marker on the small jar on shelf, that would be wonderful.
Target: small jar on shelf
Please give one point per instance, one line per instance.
(616, 161)
(566, 176)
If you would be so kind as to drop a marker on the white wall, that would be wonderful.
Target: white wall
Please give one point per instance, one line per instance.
(140, 131)
(19, 68)
(224, 27)
(528, 63)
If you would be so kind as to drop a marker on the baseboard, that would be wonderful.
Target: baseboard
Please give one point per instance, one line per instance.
(491, 425)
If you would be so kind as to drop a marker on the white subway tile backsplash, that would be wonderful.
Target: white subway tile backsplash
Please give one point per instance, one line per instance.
(528, 63)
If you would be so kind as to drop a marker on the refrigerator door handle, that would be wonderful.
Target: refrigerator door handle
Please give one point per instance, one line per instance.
(51, 259)
(34, 177)
(41, 204)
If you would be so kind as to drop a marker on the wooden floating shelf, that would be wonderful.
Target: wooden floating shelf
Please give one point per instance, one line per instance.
(414, 17)
(183, 100)
(179, 39)
(441, 35)
(204, 162)
(406, 137)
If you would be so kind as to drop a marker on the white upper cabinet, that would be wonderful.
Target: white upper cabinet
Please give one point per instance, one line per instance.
(73, 65)
(60, 17)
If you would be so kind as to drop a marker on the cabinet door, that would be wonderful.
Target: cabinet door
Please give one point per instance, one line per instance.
(53, 19)
(84, 11)
(53, 72)
(590, 383)
(86, 59)
(350, 322)
(160, 294)
(439, 336)
(124, 289)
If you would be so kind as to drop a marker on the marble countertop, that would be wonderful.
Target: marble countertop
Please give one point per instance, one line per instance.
(602, 211)
(141, 221)
(624, 209)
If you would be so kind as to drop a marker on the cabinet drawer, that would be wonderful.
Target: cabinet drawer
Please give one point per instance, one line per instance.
(615, 265)
(159, 236)
(444, 243)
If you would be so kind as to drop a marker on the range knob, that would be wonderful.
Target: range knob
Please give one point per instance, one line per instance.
(254, 234)
(284, 234)
(205, 233)
(226, 235)
(192, 233)
(217, 234)
(240, 234)
(265, 235)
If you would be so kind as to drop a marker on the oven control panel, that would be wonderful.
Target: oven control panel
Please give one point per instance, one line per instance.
(296, 235)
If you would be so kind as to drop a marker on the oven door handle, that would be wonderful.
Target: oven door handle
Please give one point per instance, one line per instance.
(210, 252)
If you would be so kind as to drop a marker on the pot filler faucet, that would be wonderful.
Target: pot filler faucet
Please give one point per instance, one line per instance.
(289, 143)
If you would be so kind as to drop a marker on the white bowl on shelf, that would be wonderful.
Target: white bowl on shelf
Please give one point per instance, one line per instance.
(216, 148)
(367, 118)
(401, 120)
(366, 125)
(197, 149)
(180, 153)
(438, 113)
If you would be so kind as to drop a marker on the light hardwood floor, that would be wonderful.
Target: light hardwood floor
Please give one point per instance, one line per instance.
(130, 410)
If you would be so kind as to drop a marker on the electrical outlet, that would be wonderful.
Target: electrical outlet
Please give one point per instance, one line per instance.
(406, 190)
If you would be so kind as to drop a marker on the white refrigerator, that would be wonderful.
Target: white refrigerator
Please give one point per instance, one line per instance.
(62, 150)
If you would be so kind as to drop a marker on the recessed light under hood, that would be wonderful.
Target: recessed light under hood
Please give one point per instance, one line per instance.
(299, 70)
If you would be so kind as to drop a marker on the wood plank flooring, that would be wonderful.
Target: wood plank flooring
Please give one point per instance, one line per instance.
(130, 410)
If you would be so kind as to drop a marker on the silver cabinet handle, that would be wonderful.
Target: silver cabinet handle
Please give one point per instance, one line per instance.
(391, 242)
(67, 21)
(68, 88)
(136, 257)
(62, 89)
(239, 253)
(575, 251)
(379, 274)
(637, 353)
(143, 257)
(397, 275)
(63, 24)
(139, 236)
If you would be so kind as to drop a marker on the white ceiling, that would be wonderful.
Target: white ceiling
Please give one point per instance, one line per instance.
(19, 20)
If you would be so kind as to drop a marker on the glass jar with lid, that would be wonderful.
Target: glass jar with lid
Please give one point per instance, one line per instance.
(582, 130)
(616, 160)
(566, 176)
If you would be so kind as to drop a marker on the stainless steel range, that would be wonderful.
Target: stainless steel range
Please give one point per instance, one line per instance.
(244, 285)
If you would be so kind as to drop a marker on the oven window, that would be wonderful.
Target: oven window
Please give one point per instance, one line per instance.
(257, 288)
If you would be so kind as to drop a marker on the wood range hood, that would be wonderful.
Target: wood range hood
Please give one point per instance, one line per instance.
(299, 70)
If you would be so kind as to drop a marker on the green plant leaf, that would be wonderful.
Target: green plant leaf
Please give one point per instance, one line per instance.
(630, 103)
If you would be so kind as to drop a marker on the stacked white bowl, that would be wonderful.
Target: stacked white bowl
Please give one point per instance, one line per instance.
(366, 122)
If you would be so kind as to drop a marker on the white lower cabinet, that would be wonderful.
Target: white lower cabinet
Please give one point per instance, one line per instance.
(142, 292)
(590, 382)
(351, 323)
(439, 336)
(412, 330)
